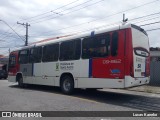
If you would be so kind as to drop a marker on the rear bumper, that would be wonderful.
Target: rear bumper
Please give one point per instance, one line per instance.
(131, 82)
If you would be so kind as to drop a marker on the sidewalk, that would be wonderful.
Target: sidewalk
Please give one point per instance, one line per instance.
(146, 88)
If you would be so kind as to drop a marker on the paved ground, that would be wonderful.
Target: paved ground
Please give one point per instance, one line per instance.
(44, 98)
(147, 89)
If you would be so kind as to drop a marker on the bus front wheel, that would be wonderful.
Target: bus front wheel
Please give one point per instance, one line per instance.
(20, 81)
(67, 85)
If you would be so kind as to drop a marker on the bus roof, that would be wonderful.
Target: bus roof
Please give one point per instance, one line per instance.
(74, 36)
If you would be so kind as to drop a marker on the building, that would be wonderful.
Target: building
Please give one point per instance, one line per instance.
(4, 59)
(155, 54)
(155, 66)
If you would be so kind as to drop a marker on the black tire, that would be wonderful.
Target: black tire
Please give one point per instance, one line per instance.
(20, 81)
(67, 85)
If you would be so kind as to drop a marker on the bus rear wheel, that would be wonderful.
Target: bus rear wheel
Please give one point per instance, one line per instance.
(67, 85)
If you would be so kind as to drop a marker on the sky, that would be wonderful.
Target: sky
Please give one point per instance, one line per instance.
(52, 18)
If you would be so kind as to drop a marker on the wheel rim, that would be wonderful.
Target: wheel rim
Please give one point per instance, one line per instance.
(67, 85)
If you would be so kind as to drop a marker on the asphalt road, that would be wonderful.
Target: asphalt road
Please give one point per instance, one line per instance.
(44, 98)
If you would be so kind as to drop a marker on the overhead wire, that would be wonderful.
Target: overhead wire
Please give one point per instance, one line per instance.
(8, 34)
(153, 29)
(110, 24)
(113, 13)
(63, 14)
(137, 18)
(134, 8)
(52, 10)
(150, 23)
(59, 13)
(65, 9)
(119, 12)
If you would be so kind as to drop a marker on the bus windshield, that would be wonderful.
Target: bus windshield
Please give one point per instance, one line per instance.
(12, 60)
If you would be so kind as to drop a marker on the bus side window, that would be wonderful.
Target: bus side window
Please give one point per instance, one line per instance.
(97, 46)
(50, 53)
(23, 56)
(114, 44)
(70, 50)
(35, 55)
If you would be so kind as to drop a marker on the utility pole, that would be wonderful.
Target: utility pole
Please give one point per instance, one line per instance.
(26, 26)
(9, 51)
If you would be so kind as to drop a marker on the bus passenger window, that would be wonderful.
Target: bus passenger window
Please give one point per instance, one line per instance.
(35, 55)
(50, 53)
(70, 50)
(114, 46)
(23, 56)
(97, 46)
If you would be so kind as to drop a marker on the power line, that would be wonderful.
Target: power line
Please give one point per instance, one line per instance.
(63, 11)
(4, 35)
(105, 17)
(87, 23)
(143, 4)
(52, 10)
(153, 29)
(150, 23)
(8, 35)
(76, 32)
(111, 14)
(12, 29)
(9, 30)
(10, 44)
(148, 19)
(127, 10)
(146, 16)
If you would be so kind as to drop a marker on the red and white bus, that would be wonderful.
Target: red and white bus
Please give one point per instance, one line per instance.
(111, 58)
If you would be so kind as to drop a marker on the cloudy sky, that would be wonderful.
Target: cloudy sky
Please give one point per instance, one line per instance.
(52, 18)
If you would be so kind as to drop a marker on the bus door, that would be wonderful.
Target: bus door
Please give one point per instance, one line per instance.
(112, 65)
(35, 60)
(25, 66)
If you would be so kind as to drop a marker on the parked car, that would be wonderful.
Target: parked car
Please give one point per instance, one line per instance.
(3, 74)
